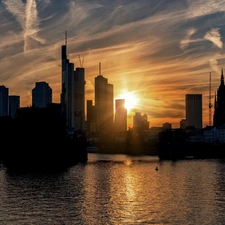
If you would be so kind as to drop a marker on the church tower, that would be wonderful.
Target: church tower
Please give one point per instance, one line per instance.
(219, 105)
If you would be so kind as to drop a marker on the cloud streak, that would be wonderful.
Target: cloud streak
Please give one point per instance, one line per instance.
(27, 16)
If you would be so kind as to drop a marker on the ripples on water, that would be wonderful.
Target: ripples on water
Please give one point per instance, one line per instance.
(117, 189)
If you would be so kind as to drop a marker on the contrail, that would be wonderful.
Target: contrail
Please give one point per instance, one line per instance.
(16, 8)
(27, 16)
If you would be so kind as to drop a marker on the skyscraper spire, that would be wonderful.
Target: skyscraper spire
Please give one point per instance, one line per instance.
(64, 51)
(99, 66)
(66, 38)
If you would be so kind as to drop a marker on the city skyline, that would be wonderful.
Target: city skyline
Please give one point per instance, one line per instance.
(158, 51)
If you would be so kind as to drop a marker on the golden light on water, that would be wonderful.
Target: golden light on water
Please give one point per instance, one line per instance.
(128, 162)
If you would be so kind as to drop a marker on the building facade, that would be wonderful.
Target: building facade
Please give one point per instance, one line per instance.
(4, 101)
(79, 99)
(194, 110)
(140, 122)
(120, 115)
(91, 117)
(41, 95)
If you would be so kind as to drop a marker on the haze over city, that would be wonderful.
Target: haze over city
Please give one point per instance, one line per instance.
(154, 51)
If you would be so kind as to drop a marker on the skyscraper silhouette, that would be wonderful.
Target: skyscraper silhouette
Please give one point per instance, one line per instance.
(41, 95)
(120, 115)
(4, 101)
(91, 117)
(103, 103)
(14, 104)
(72, 93)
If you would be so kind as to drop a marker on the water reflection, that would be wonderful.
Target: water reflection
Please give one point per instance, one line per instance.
(42, 198)
(117, 189)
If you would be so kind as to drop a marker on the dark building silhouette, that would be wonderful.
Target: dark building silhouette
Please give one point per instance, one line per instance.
(91, 117)
(140, 122)
(4, 101)
(41, 95)
(103, 103)
(219, 104)
(72, 96)
(193, 110)
(14, 104)
(167, 126)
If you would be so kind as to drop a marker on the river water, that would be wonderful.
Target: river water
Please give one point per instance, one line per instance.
(117, 189)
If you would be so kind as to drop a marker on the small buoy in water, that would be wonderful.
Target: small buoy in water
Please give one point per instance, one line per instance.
(156, 168)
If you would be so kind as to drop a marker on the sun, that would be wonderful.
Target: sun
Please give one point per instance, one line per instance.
(131, 100)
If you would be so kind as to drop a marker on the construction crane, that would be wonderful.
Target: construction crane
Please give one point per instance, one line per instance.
(81, 61)
(210, 104)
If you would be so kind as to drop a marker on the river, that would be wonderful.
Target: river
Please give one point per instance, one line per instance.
(117, 190)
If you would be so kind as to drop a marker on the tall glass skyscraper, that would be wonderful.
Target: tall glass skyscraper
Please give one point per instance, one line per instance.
(104, 95)
(72, 96)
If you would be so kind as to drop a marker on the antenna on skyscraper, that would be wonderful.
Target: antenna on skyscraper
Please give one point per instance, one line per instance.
(210, 104)
(66, 38)
(99, 68)
(81, 62)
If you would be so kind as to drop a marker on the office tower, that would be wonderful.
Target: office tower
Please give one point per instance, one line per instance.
(4, 101)
(103, 103)
(72, 96)
(194, 110)
(219, 104)
(91, 117)
(41, 95)
(14, 104)
(140, 122)
(120, 115)
(79, 98)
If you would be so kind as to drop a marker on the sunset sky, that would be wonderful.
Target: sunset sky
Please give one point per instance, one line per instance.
(158, 50)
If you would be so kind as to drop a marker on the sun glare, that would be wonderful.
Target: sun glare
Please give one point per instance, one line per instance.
(130, 100)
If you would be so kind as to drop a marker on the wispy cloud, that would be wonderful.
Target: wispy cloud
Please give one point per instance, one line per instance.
(214, 36)
(199, 8)
(184, 43)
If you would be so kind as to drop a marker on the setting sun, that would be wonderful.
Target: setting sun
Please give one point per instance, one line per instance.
(131, 100)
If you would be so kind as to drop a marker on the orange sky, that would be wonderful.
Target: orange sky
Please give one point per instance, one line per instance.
(159, 50)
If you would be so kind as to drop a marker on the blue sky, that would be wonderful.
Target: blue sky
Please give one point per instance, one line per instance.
(160, 50)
